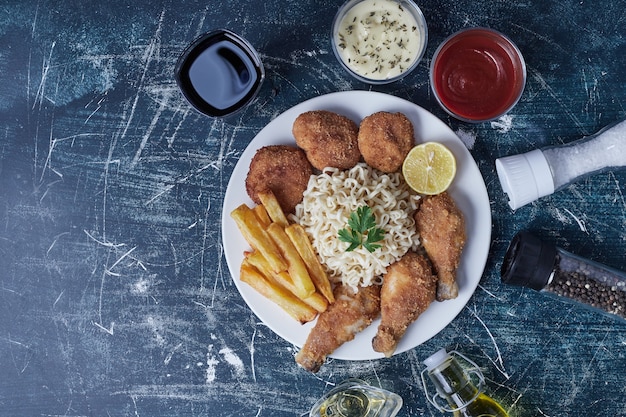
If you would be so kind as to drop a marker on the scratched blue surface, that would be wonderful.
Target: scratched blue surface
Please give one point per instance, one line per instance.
(115, 299)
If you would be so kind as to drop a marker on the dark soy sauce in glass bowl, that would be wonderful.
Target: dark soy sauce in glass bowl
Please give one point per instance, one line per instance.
(219, 73)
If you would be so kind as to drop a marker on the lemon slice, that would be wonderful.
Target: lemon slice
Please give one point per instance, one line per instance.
(429, 168)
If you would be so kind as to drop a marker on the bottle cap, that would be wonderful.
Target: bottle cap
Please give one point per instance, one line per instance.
(528, 262)
(436, 359)
(525, 177)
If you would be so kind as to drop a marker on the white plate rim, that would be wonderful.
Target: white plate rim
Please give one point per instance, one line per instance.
(468, 189)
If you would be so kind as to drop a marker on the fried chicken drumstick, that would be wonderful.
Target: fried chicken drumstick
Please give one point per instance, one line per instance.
(408, 288)
(441, 226)
(348, 315)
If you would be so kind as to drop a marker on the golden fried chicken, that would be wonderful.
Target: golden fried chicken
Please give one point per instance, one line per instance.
(385, 139)
(441, 226)
(284, 170)
(348, 315)
(329, 139)
(409, 286)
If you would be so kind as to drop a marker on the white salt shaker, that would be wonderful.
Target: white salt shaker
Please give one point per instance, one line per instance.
(540, 172)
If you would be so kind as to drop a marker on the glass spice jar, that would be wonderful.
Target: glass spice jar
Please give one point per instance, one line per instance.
(540, 172)
(532, 263)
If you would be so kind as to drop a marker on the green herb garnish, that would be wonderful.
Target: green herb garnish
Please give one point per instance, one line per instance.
(362, 230)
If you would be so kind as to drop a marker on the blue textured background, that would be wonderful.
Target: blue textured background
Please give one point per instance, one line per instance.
(115, 299)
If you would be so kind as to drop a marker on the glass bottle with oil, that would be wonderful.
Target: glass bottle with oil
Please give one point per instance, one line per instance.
(356, 398)
(455, 386)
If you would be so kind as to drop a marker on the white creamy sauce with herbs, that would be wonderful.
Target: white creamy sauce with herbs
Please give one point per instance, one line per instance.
(378, 39)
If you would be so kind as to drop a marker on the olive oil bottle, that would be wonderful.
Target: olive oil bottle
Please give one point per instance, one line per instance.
(454, 385)
(355, 398)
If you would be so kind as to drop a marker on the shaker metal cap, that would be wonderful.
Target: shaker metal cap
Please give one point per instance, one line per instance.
(219, 73)
(528, 262)
(525, 177)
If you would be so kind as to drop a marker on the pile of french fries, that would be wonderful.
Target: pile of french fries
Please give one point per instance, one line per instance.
(282, 265)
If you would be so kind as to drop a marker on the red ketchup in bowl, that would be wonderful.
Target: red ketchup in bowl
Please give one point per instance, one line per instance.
(477, 75)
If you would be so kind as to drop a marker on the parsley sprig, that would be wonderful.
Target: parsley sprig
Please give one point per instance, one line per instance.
(362, 230)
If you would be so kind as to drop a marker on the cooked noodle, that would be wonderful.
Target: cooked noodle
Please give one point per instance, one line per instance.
(329, 200)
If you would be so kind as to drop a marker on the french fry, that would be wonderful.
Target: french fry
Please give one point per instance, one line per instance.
(277, 294)
(317, 301)
(298, 272)
(256, 259)
(250, 226)
(318, 275)
(282, 265)
(271, 204)
(262, 215)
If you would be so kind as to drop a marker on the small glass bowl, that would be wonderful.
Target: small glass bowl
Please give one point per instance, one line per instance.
(340, 44)
(477, 74)
(220, 73)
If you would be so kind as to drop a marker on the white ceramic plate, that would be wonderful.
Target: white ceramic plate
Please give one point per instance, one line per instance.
(468, 190)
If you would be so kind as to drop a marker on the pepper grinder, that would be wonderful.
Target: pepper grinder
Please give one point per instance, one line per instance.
(532, 263)
(540, 172)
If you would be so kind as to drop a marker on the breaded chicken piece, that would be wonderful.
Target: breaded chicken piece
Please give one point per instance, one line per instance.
(441, 226)
(329, 139)
(409, 286)
(385, 139)
(284, 170)
(348, 315)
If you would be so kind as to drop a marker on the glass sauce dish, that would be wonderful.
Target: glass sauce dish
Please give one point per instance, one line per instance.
(356, 398)
(477, 75)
